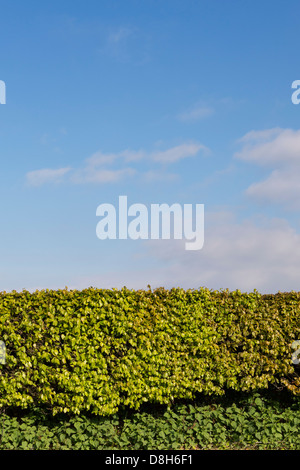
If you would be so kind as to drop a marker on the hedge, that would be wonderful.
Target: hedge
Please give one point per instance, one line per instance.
(254, 421)
(98, 350)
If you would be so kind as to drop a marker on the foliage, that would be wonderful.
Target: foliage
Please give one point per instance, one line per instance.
(251, 421)
(99, 351)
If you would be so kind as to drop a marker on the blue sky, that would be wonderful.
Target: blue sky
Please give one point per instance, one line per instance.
(165, 101)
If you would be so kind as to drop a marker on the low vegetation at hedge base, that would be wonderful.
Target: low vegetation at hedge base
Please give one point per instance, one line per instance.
(99, 350)
(243, 421)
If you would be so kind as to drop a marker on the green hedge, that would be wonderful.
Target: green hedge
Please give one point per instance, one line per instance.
(98, 350)
(254, 421)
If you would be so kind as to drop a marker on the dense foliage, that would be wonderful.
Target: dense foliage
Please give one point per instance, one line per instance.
(98, 351)
(243, 421)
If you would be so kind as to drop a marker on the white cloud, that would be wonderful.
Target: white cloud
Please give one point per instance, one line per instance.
(91, 175)
(262, 254)
(159, 176)
(46, 175)
(126, 44)
(198, 112)
(132, 155)
(282, 187)
(280, 149)
(260, 136)
(97, 168)
(100, 158)
(177, 153)
(96, 171)
(271, 147)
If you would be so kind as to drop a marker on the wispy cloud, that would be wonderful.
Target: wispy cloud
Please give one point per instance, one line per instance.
(126, 44)
(152, 176)
(90, 175)
(278, 149)
(109, 167)
(260, 136)
(280, 187)
(179, 152)
(119, 35)
(100, 158)
(46, 175)
(196, 113)
(203, 109)
(271, 147)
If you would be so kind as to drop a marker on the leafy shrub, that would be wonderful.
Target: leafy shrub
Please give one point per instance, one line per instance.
(251, 421)
(99, 351)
